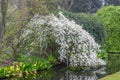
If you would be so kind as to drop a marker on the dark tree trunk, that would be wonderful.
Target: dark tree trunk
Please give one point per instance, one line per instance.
(4, 4)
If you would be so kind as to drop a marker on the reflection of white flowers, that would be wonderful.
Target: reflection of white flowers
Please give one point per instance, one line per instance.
(75, 43)
(88, 75)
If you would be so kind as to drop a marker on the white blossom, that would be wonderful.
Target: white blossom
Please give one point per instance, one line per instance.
(76, 45)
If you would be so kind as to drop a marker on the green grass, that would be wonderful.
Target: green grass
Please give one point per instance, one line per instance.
(115, 76)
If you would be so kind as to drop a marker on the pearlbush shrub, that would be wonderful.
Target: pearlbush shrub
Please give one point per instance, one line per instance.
(90, 23)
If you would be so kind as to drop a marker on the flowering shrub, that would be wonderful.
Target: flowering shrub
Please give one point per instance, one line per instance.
(90, 23)
(75, 46)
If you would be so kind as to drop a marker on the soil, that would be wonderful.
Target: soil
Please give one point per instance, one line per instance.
(6, 63)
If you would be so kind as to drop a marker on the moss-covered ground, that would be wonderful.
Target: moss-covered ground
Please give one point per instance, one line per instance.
(115, 76)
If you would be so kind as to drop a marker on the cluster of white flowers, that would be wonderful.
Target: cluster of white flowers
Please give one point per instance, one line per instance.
(77, 47)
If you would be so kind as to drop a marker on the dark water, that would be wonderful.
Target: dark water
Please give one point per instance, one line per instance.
(113, 63)
(61, 73)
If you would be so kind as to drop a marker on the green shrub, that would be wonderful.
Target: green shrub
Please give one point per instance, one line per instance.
(5, 52)
(110, 17)
(52, 59)
(102, 54)
(90, 23)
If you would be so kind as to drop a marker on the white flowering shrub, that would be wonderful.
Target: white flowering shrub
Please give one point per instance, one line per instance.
(75, 46)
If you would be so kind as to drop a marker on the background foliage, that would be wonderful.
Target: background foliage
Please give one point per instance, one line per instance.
(110, 17)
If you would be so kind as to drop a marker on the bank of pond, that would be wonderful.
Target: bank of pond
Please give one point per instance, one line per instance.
(115, 76)
(45, 69)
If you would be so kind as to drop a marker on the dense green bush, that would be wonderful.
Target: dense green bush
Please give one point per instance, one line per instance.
(110, 16)
(90, 23)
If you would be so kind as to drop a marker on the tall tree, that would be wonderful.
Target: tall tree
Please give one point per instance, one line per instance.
(112, 2)
(4, 4)
(66, 4)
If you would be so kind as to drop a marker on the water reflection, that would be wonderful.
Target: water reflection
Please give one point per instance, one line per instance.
(87, 75)
(75, 76)
(64, 74)
(113, 63)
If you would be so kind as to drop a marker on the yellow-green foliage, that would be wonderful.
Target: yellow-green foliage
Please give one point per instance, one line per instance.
(110, 16)
(23, 68)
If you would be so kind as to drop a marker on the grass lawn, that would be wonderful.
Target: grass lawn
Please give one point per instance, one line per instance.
(115, 76)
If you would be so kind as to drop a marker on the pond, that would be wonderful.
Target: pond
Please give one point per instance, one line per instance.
(113, 63)
(62, 73)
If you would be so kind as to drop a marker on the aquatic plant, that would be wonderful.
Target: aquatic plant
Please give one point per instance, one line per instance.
(75, 46)
(21, 69)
